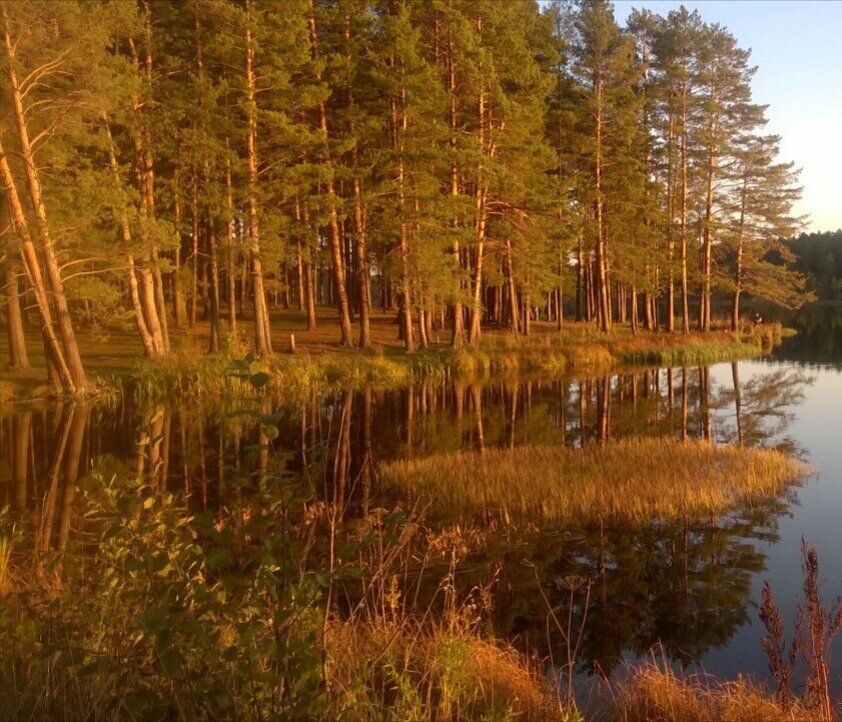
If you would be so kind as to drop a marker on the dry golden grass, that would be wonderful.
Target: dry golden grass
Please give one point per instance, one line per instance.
(408, 670)
(622, 482)
(656, 694)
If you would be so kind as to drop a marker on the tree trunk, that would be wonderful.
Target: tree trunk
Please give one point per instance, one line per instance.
(179, 302)
(151, 346)
(458, 337)
(59, 373)
(18, 358)
(333, 220)
(213, 291)
(707, 245)
(310, 275)
(363, 275)
(738, 264)
(232, 250)
(670, 325)
(65, 322)
(479, 228)
(262, 335)
(194, 254)
(685, 304)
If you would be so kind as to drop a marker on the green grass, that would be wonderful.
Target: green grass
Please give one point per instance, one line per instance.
(626, 482)
(114, 358)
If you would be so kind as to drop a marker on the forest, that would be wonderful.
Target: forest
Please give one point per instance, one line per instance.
(819, 257)
(459, 164)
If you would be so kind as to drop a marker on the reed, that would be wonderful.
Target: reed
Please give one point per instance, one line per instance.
(656, 693)
(408, 669)
(632, 481)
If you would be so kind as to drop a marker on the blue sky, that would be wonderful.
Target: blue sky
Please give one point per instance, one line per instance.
(796, 44)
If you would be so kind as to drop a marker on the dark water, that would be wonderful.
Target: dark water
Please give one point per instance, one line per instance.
(691, 586)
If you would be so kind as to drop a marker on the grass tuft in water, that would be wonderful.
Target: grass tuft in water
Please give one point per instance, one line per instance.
(629, 482)
(656, 693)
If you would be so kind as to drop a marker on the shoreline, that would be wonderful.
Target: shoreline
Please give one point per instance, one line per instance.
(576, 350)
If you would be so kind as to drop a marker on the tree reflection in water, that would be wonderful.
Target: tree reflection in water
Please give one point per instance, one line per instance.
(684, 584)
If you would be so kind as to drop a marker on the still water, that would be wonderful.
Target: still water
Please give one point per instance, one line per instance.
(691, 586)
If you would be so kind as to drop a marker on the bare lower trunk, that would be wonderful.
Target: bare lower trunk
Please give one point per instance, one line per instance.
(738, 265)
(194, 255)
(213, 291)
(333, 219)
(363, 277)
(152, 345)
(232, 249)
(262, 336)
(510, 276)
(18, 358)
(685, 290)
(179, 302)
(58, 371)
(140, 321)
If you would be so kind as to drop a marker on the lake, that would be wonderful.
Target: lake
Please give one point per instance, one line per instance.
(690, 586)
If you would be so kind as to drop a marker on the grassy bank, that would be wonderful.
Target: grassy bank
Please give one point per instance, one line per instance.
(580, 350)
(114, 358)
(627, 482)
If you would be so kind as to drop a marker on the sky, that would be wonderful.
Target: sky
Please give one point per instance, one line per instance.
(795, 44)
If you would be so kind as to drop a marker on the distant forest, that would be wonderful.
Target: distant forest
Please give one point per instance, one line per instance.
(819, 257)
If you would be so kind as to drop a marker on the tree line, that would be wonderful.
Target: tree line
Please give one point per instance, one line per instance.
(460, 163)
(819, 257)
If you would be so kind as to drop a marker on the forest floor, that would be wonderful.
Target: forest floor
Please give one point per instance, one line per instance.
(114, 354)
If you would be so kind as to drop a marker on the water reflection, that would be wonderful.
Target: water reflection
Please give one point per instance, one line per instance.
(684, 584)
(819, 338)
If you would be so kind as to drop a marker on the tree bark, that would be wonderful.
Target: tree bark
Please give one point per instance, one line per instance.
(262, 335)
(685, 304)
(213, 291)
(59, 373)
(18, 358)
(152, 346)
(232, 249)
(738, 263)
(179, 302)
(333, 220)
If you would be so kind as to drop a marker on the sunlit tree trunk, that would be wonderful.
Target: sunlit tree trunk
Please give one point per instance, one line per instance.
(231, 246)
(458, 335)
(603, 301)
(65, 324)
(333, 220)
(707, 243)
(685, 304)
(213, 346)
(150, 347)
(475, 327)
(738, 261)
(61, 378)
(18, 358)
(262, 335)
(179, 302)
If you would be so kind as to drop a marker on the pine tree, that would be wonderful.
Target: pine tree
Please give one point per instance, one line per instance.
(603, 64)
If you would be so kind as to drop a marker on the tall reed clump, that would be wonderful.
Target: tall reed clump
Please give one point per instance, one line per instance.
(655, 692)
(814, 631)
(393, 657)
(630, 481)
